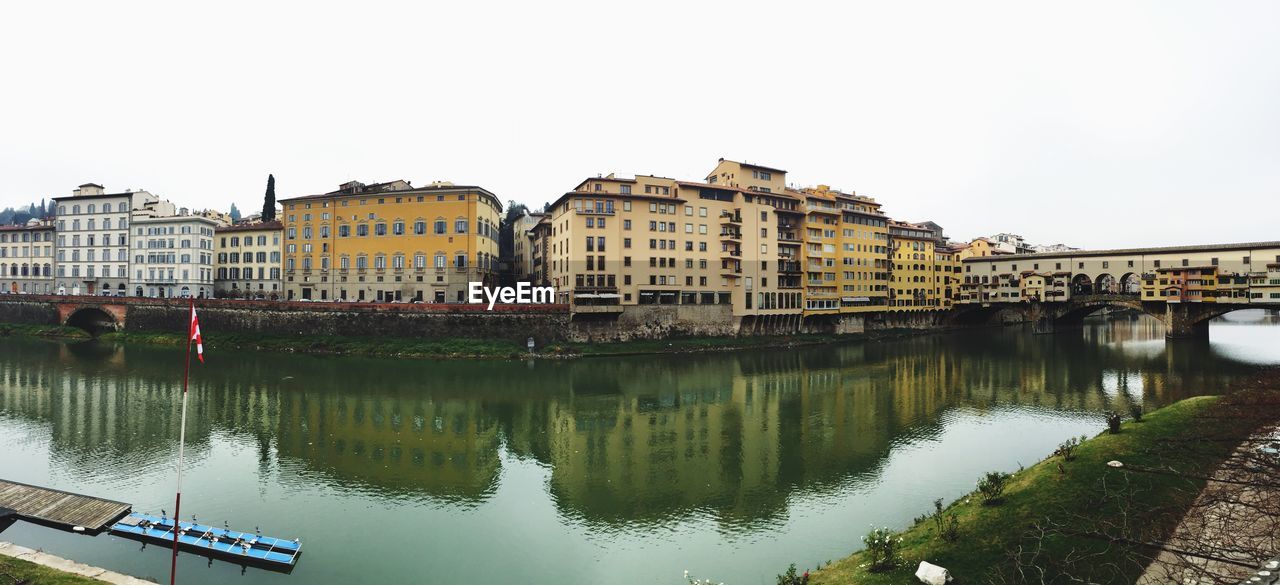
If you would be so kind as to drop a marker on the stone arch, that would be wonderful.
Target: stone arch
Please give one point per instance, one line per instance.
(1081, 284)
(93, 320)
(1105, 284)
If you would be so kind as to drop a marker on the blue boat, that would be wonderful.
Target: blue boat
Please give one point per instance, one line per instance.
(243, 547)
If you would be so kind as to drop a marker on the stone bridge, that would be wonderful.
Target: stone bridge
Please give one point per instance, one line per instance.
(1181, 320)
(98, 315)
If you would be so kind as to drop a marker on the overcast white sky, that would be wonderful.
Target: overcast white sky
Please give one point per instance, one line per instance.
(1096, 124)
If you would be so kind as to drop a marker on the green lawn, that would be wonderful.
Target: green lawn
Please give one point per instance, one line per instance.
(12, 569)
(1079, 518)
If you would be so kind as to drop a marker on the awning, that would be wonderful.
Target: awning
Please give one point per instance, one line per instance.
(585, 296)
(610, 296)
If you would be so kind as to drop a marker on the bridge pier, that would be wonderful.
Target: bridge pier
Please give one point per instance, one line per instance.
(1043, 321)
(1186, 321)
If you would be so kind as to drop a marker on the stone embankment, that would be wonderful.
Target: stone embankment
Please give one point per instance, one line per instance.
(57, 563)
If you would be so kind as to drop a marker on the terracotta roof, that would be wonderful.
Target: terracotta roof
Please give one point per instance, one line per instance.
(754, 166)
(429, 188)
(248, 227)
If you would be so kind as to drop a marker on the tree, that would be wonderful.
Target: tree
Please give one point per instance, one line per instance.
(269, 201)
(235, 213)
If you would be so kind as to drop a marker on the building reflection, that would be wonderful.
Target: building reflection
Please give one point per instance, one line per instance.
(627, 441)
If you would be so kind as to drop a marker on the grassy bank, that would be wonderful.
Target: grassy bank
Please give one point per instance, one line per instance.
(18, 571)
(1062, 520)
(58, 331)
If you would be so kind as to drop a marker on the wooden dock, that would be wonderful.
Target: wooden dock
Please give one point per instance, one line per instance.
(58, 508)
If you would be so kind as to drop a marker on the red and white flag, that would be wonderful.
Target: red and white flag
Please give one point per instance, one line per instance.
(195, 334)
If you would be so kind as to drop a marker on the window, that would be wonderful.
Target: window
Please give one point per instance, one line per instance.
(440, 226)
(460, 226)
(362, 230)
(344, 231)
(419, 227)
(397, 228)
(380, 229)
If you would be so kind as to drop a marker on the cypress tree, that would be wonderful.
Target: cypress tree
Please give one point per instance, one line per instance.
(269, 201)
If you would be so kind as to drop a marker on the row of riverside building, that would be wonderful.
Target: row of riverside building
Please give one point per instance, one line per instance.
(741, 237)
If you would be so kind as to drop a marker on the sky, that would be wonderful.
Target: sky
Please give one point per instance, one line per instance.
(1096, 124)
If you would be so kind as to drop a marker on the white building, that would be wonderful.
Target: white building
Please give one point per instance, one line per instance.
(172, 254)
(26, 258)
(93, 240)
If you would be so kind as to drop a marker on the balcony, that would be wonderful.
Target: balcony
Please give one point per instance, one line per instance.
(727, 217)
(787, 267)
(584, 211)
(789, 238)
(726, 235)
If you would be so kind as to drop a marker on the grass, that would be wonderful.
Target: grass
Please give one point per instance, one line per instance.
(13, 570)
(10, 329)
(1063, 516)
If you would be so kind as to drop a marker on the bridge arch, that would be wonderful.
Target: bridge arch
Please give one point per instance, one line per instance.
(1081, 284)
(1105, 284)
(94, 320)
(1130, 284)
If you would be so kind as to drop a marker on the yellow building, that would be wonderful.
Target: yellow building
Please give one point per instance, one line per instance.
(249, 260)
(855, 242)
(390, 242)
(946, 274)
(915, 279)
(982, 248)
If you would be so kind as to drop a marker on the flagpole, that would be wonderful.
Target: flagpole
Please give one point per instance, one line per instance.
(182, 440)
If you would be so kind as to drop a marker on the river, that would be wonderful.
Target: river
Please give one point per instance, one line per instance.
(602, 470)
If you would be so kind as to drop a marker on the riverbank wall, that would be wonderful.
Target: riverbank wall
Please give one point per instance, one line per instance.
(546, 324)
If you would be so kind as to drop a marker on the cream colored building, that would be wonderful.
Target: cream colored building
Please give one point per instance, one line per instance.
(1211, 273)
(92, 236)
(249, 260)
(26, 258)
(172, 255)
(524, 246)
(653, 240)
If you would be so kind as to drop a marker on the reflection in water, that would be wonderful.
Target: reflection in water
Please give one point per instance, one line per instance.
(638, 456)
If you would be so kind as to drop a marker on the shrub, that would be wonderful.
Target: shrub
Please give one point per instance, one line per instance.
(882, 549)
(791, 578)
(991, 486)
(948, 526)
(1067, 450)
(1113, 422)
(1136, 411)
